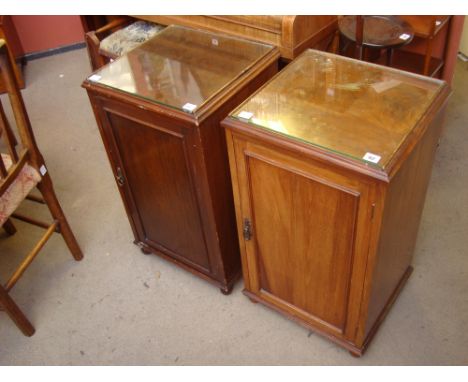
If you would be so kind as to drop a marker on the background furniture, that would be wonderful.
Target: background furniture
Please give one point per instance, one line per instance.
(158, 109)
(94, 37)
(19, 174)
(294, 34)
(374, 33)
(330, 163)
(423, 61)
(117, 38)
(291, 34)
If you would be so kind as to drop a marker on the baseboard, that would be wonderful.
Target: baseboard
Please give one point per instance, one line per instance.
(53, 51)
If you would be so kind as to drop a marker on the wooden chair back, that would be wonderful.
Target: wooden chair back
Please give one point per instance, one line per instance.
(23, 124)
(11, 166)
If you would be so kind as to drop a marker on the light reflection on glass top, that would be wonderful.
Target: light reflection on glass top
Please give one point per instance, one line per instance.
(343, 105)
(181, 66)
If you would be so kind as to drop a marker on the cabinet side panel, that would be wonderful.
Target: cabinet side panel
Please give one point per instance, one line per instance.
(402, 213)
(219, 179)
(155, 166)
(304, 230)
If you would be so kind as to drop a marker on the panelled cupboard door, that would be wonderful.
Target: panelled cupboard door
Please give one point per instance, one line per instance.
(306, 248)
(152, 162)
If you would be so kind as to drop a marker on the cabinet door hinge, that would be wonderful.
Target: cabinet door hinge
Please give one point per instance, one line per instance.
(372, 211)
(247, 230)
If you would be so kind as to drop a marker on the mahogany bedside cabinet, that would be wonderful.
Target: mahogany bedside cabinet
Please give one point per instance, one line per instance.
(330, 163)
(159, 109)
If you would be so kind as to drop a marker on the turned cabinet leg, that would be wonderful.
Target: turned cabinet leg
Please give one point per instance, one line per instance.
(226, 290)
(9, 228)
(144, 248)
(145, 251)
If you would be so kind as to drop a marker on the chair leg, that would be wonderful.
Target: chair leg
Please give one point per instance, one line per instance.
(9, 227)
(18, 317)
(46, 188)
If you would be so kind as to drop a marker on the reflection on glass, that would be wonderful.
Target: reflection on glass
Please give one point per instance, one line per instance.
(343, 105)
(181, 65)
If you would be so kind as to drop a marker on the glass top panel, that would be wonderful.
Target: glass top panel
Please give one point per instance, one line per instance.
(356, 109)
(181, 66)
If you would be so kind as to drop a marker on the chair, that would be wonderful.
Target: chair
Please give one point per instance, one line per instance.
(117, 38)
(9, 33)
(21, 171)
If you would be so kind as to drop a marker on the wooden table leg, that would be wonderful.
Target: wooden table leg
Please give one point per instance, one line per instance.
(389, 56)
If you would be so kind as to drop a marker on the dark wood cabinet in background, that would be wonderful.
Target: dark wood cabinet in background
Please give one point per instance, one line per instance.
(159, 110)
(330, 163)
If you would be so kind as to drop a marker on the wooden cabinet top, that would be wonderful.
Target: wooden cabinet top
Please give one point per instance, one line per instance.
(183, 68)
(353, 110)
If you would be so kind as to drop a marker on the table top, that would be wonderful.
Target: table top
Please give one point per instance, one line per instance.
(181, 68)
(379, 31)
(353, 108)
